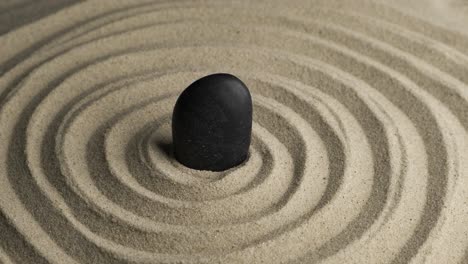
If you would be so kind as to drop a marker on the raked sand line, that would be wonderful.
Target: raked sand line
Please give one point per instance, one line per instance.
(359, 136)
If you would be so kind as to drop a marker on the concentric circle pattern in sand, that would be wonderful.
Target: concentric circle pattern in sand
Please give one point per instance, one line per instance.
(359, 138)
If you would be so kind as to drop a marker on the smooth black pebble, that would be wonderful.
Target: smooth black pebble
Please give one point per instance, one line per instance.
(212, 123)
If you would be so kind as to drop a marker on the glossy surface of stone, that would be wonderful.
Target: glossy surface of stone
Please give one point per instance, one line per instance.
(212, 123)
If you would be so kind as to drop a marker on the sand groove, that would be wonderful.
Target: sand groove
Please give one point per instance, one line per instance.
(359, 136)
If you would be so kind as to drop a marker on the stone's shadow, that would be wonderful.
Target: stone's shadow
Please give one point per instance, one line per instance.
(165, 146)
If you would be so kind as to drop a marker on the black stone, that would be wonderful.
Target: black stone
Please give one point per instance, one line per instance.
(212, 123)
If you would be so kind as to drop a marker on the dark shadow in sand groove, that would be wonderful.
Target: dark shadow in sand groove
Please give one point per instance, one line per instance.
(9, 64)
(27, 12)
(165, 147)
(5, 7)
(12, 240)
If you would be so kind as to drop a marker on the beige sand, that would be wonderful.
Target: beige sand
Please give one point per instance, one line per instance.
(359, 148)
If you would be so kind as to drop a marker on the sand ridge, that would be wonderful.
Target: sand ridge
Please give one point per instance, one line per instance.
(359, 135)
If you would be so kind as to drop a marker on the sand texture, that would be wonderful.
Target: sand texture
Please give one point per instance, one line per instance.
(359, 151)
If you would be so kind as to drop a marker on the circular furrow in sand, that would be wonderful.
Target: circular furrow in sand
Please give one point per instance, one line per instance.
(359, 136)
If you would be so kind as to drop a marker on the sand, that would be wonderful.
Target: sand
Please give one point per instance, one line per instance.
(359, 143)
